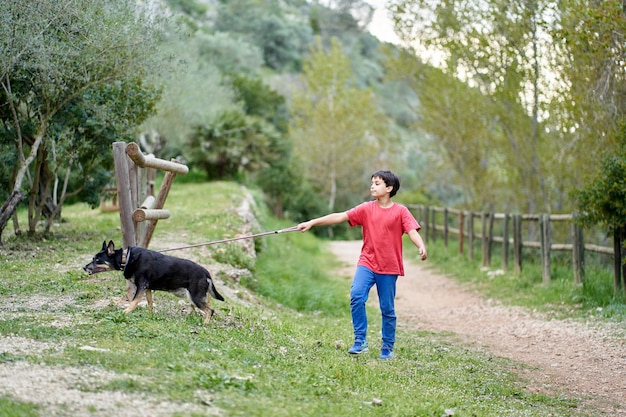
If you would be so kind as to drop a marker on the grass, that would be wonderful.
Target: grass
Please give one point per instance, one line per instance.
(279, 352)
(561, 297)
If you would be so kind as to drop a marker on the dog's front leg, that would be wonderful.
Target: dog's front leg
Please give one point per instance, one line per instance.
(136, 299)
(208, 311)
(149, 299)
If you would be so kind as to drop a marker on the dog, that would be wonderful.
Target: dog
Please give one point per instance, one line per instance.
(152, 271)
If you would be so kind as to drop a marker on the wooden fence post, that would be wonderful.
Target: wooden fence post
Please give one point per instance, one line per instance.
(433, 224)
(124, 195)
(617, 249)
(461, 233)
(517, 243)
(484, 250)
(470, 236)
(622, 256)
(544, 225)
(160, 202)
(505, 241)
(492, 218)
(424, 224)
(445, 227)
(578, 252)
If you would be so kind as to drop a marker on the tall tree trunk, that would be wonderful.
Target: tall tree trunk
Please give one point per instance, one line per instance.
(21, 173)
(8, 208)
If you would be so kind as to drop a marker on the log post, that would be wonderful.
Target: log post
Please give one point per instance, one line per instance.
(461, 234)
(578, 252)
(544, 225)
(484, 245)
(517, 243)
(505, 242)
(424, 224)
(618, 260)
(433, 223)
(141, 214)
(148, 202)
(445, 227)
(492, 218)
(160, 202)
(124, 195)
(470, 236)
(149, 161)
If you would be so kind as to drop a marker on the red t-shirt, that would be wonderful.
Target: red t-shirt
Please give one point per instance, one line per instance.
(382, 230)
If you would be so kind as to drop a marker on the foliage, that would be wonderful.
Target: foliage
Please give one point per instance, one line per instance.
(456, 118)
(528, 68)
(337, 128)
(232, 145)
(282, 40)
(603, 200)
(72, 83)
(230, 53)
(590, 41)
(194, 92)
(261, 100)
(497, 52)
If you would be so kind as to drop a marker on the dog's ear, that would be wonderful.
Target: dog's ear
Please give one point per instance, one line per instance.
(104, 244)
(111, 248)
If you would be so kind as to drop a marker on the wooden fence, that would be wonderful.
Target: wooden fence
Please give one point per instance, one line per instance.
(507, 230)
(139, 209)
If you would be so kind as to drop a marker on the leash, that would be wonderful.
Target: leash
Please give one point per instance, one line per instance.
(215, 242)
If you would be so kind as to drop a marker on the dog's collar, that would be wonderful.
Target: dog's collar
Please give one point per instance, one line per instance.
(125, 258)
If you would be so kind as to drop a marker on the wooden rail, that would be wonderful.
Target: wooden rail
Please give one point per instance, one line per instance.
(441, 222)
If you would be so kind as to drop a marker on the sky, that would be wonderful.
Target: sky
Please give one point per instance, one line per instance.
(381, 25)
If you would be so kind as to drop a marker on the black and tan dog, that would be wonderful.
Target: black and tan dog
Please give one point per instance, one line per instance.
(152, 271)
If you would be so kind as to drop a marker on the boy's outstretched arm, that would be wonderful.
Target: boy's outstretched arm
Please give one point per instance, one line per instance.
(327, 220)
(416, 238)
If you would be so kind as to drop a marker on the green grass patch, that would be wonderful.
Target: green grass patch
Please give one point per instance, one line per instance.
(560, 297)
(280, 352)
(11, 408)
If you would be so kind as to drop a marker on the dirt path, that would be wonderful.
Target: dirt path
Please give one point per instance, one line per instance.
(578, 359)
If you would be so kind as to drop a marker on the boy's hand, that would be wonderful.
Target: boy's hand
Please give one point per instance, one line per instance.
(303, 227)
(423, 254)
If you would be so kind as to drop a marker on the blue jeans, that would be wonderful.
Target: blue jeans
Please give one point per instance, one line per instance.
(364, 280)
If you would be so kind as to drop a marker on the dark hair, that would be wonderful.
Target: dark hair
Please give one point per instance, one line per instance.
(390, 179)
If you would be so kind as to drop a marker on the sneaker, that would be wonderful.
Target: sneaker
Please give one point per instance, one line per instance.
(359, 346)
(386, 353)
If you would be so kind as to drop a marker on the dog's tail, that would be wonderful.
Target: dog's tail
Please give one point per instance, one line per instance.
(213, 291)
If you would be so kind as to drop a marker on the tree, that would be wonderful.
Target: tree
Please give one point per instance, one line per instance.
(592, 51)
(336, 128)
(593, 36)
(283, 39)
(603, 201)
(71, 78)
(231, 145)
(499, 49)
(194, 90)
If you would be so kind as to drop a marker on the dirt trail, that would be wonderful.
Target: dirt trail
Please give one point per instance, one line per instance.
(578, 359)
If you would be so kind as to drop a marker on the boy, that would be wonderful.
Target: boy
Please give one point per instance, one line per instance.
(383, 223)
